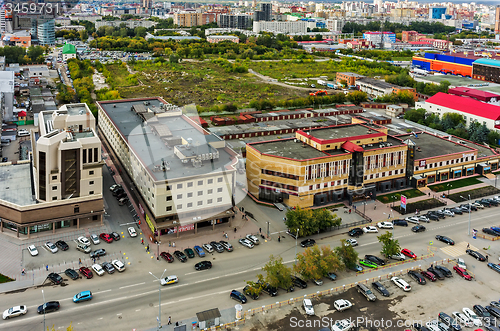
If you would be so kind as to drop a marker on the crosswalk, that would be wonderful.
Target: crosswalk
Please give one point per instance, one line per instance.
(457, 249)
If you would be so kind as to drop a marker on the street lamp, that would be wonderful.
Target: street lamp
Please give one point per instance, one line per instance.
(449, 186)
(159, 296)
(468, 231)
(43, 295)
(296, 236)
(393, 200)
(391, 215)
(364, 207)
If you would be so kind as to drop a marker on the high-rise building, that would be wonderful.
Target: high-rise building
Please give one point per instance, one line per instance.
(497, 20)
(437, 12)
(148, 4)
(240, 21)
(267, 8)
(45, 31)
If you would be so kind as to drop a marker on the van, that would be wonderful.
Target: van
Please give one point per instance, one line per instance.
(22, 133)
(199, 251)
(366, 292)
(5, 141)
(83, 248)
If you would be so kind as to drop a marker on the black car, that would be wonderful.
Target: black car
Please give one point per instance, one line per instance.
(218, 247)
(458, 211)
(436, 273)
(115, 236)
(118, 191)
(419, 327)
(438, 213)
(97, 253)
(493, 202)
(108, 267)
(491, 232)
(61, 244)
(400, 222)
(448, 321)
(55, 278)
(445, 239)
(71, 274)
(445, 271)
(417, 277)
(121, 196)
(298, 282)
(356, 232)
(48, 307)
(418, 228)
(248, 290)
(484, 202)
(308, 243)
(267, 288)
(432, 216)
(493, 311)
(189, 252)
(380, 289)
(375, 259)
(467, 207)
(482, 312)
(475, 254)
(238, 296)
(180, 256)
(203, 265)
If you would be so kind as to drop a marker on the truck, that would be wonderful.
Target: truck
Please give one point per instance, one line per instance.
(321, 82)
(318, 93)
(332, 85)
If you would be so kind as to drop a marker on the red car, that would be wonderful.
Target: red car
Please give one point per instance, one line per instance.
(407, 252)
(462, 272)
(429, 275)
(106, 237)
(167, 256)
(86, 272)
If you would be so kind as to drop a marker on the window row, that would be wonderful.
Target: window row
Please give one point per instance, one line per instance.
(200, 182)
(191, 194)
(191, 204)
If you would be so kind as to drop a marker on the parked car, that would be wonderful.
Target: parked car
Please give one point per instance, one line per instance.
(351, 242)
(491, 232)
(494, 311)
(118, 265)
(478, 205)
(462, 272)
(32, 249)
(218, 247)
(408, 253)
(298, 282)
(308, 307)
(475, 254)
(55, 278)
(253, 239)
(370, 229)
(203, 265)
(167, 257)
(366, 292)
(106, 237)
(115, 236)
(86, 272)
(94, 238)
(457, 210)
(385, 225)
(342, 304)
(245, 242)
(448, 212)
(108, 267)
(476, 321)
(375, 259)
(208, 248)
(15, 312)
(190, 253)
(98, 253)
(48, 307)
(494, 266)
(331, 276)
(248, 290)
(114, 187)
(267, 288)
(82, 296)
(417, 277)
(172, 279)
(433, 217)
(51, 247)
(429, 275)
(398, 257)
(368, 264)
(445, 239)
(380, 289)
(238, 296)
(61, 244)
(180, 256)
(412, 219)
(401, 284)
(356, 232)
(132, 232)
(71, 274)
(436, 273)
(400, 222)
(445, 271)
(199, 251)
(418, 228)
(461, 263)
(423, 218)
(448, 321)
(98, 269)
(84, 240)
(343, 325)
(483, 313)
(308, 243)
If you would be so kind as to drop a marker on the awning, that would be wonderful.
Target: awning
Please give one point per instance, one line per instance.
(457, 171)
(418, 177)
(352, 147)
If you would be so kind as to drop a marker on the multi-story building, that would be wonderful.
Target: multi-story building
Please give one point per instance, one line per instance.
(240, 21)
(374, 87)
(410, 36)
(131, 24)
(437, 12)
(68, 52)
(280, 27)
(486, 69)
(182, 175)
(218, 39)
(348, 77)
(190, 19)
(61, 185)
(46, 33)
(267, 9)
(497, 20)
(377, 37)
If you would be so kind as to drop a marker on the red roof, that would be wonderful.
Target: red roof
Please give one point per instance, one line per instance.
(473, 93)
(352, 147)
(22, 113)
(466, 105)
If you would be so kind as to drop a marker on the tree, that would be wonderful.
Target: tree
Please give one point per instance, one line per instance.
(415, 115)
(254, 288)
(390, 246)
(347, 254)
(84, 35)
(302, 220)
(357, 97)
(277, 274)
(493, 138)
(324, 219)
(316, 263)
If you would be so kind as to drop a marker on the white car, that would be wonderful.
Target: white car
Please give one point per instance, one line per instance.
(343, 325)
(132, 232)
(84, 240)
(169, 280)
(401, 284)
(385, 225)
(448, 212)
(14, 312)
(423, 219)
(95, 239)
(472, 317)
(399, 257)
(308, 307)
(98, 269)
(461, 263)
(351, 242)
(208, 248)
(342, 304)
(51, 247)
(245, 242)
(118, 265)
(412, 219)
(367, 229)
(478, 205)
(462, 319)
(253, 239)
(32, 249)
(432, 325)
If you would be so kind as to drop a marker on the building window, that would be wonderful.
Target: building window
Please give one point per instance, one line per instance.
(179, 196)
(210, 181)
(54, 188)
(190, 184)
(219, 190)
(54, 198)
(190, 204)
(200, 182)
(190, 194)
(210, 191)
(200, 203)
(91, 192)
(54, 177)
(169, 198)
(91, 182)
(91, 172)
(84, 152)
(90, 155)
(209, 201)
(169, 208)
(219, 199)
(200, 193)
(76, 209)
(179, 186)
(219, 180)
(169, 187)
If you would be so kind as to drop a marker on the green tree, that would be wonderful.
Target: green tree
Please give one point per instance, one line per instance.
(254, 288)
(84, 35)
(347, 254)
(390, 246)
(301, 220)
(277, 273)
(357, 97)
(316, 263)
(493, 138)
(325, 219)
(415, 115)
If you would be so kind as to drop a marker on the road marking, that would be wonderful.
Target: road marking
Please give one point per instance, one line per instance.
(131, 285)
(197, 297)
(103, 291)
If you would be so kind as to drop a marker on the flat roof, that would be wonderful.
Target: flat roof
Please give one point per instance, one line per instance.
(432, 146)
(15, 184)
(152, 150)
(375, 82)
(342, 131)
(290, 149)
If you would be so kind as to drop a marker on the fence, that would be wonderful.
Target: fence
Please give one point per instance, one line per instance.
(369, 220)
(423, 257)
(487, 237)
(339, 289)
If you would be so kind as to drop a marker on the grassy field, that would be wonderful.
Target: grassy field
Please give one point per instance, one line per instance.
(204, 84)
(119, 75)
(387, 198)
(5, 279)
(455, 184)
(474, 194)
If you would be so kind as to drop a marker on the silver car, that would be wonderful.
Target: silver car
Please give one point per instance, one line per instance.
(94, 238)
(245, 242)
(208, 248)
(51, 247)
(253, 239)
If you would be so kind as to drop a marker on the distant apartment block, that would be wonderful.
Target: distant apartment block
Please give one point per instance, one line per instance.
(348, 77)
(131, 24)
(280, 27)
(240, 21)
(218, 39)
(189, 19)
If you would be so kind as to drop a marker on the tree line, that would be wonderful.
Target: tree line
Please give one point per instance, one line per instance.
(22, 55)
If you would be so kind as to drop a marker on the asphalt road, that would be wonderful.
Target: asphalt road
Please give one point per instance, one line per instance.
(130, 299)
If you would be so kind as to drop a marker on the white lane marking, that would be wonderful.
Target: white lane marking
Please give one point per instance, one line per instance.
(197, 297)
(131, 285)
(103, 291)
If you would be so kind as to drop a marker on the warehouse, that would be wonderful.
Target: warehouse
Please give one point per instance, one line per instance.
(487, 69)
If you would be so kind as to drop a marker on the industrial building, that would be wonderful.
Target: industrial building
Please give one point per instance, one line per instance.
(182, 176)
(476, 94)
(486, 69)
(348, 77)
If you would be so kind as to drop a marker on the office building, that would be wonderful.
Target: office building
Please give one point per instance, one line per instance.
(267, 9)
(46, 31)
(280, 27)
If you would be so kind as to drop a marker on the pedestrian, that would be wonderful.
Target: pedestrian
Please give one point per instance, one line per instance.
(169, 243)
(223, 234)
(468, 245)
(47, 267)
(79, 261)
(142, 241)
(93, 259)
(169, 320)
(176, 323)
(431, 265)
(354, 207)
(234, 230)
(349, 210)
(242, 216)
(429, 193)
(226, 235)
(279, 238)
(22, 272)
(486, 260)
(98, 258)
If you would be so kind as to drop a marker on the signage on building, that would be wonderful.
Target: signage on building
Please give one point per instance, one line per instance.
(182, 228)
(468, 155)
(422, 163)
(403, 202)
(151, 226)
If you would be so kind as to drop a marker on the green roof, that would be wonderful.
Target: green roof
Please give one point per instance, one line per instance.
(69, 49)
